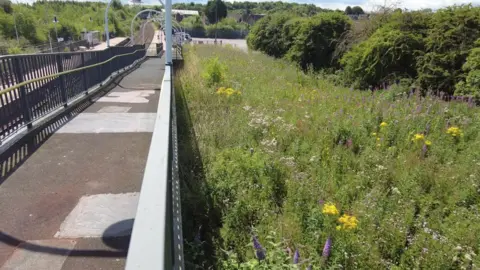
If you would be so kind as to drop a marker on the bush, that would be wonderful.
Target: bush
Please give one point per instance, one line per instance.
(471, 85)
(453, 33)
(317, 39)
(215, 71)
(386, 56)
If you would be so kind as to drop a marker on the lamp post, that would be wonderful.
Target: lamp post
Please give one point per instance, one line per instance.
(216, 20)
(55, 21)
(15, 24)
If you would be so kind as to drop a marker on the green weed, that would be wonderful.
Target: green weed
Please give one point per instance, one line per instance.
(406, 166)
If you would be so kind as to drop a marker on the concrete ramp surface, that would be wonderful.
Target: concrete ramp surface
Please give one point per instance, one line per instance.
(72, 203)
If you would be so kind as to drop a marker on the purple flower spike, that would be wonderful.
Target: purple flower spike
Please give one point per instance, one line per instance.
(259, 251)
(424, 150)
(296, 257)
(326, 248)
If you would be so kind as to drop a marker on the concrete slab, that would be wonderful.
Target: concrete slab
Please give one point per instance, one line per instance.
(40, 255)
(110, 123)
(96, 215)
(139, 96)
(114, 109)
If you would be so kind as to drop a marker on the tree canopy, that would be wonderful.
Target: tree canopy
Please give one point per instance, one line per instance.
(215, 10)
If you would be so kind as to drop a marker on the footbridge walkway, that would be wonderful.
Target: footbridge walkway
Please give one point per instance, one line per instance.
(88, 167)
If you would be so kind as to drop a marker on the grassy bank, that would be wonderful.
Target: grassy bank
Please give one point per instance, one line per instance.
(390, 178)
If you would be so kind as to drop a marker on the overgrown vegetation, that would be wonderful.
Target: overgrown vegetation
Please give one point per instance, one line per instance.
(296, 172)
(35, 22)
(429, 49)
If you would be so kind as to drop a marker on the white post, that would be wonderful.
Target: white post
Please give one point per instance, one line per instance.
(16, 31)
(107, 37)
(168, 32)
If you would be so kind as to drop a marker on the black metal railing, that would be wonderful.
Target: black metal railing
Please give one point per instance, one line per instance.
(32, 86)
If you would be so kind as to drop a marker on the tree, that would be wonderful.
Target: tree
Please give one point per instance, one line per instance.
(6, 5)
(215, 10)
(348, 10)
(357, 10)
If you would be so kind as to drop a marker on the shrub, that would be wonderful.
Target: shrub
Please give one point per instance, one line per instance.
(387, 55)
(215, 71)
(267, 35)
(317, 39)
(452, 35)
(471, 85)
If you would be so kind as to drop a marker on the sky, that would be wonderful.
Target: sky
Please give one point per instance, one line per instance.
(367, 5)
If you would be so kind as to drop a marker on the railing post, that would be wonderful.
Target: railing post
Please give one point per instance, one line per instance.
(110, 70)
(23, 93)
(84, 74)
(62, 80)
(100, 69)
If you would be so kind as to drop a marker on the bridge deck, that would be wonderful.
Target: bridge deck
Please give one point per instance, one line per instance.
(71, 204)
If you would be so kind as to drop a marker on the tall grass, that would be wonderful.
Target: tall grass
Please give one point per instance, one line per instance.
(281, 146)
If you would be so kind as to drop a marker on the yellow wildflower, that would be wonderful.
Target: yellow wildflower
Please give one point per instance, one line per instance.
(383, 124)
(229, 91)
(330, 209)
(455, 131)
(428, 143)
(418, 137)
(348, 222)
(339, 227)
(378, 139)
(220, 90)
(374, 134)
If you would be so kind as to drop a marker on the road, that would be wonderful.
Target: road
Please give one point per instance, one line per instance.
(237, 43)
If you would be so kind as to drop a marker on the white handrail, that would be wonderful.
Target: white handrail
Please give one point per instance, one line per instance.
(150, 244)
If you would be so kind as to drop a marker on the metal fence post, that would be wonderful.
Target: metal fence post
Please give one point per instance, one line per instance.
(84, 74)
(27, 115)
(100, 69)
(63, 89)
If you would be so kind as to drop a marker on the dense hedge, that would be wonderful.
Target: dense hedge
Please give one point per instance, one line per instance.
(307, 41)
(428, 48)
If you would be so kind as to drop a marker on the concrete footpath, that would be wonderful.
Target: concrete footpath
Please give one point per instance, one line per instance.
(72, 203)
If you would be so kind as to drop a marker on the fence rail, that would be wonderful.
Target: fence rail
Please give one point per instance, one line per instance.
(32, 86)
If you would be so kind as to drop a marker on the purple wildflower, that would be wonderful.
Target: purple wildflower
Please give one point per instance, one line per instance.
(296, 257)
(424, 150)
(259, 251)
(321, 201)
(326, 248)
